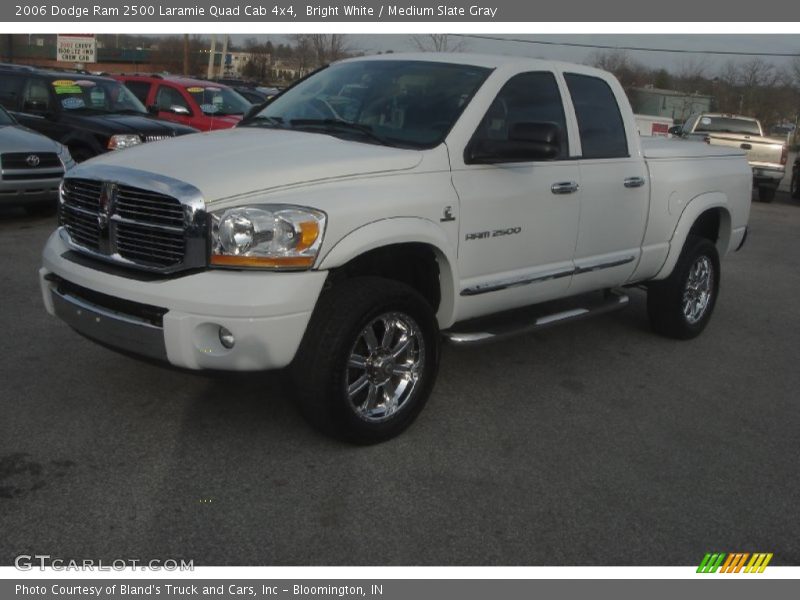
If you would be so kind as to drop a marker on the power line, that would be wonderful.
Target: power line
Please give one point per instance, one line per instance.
(632, 48)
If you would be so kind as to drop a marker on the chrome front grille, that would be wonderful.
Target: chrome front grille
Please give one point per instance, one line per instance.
(157, 138)
(155, 223)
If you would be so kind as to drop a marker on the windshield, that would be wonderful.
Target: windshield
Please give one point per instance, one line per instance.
(409, 104)
(5, 118)
(98, 94)
(728, 125)
(219, 100)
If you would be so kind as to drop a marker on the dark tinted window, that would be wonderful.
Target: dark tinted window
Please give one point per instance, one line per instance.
(599, 120)
(728, 125)
(525, 98)
(140, 89)
(10, 87)
(36, 96)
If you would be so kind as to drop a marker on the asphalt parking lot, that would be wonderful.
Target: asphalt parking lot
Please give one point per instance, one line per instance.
(596, 443)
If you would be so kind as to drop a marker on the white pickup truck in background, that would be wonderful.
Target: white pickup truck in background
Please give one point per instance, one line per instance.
(384, 204)
(767, 156)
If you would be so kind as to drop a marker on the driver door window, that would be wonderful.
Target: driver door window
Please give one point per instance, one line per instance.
(526, 98)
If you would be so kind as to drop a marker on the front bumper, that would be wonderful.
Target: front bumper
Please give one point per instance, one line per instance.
(267, 312)
(33, 191)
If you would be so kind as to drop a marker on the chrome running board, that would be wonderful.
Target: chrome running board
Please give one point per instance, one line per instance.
(512, 323)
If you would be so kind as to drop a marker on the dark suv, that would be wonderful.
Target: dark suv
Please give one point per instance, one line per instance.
(88, 114)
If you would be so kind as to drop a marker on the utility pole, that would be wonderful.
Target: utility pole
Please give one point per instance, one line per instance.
(222, 60)
(211, 54)
(185, 54)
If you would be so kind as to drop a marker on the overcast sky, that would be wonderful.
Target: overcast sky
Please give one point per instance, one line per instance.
(781, 44)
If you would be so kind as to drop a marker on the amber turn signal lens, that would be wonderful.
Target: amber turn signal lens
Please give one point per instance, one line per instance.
(286, 262)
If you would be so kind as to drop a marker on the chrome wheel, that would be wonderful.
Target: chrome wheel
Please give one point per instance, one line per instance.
(384, 366)
(698, 290)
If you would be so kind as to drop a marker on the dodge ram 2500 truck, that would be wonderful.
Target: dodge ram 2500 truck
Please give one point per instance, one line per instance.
(384, 204)
(767, 156)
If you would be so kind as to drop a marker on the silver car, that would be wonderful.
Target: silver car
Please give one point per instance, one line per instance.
(31, 167)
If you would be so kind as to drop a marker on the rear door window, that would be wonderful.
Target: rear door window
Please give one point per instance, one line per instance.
(600, 122)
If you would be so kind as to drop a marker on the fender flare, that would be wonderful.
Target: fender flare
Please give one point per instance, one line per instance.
(402, 230)
(694, 208)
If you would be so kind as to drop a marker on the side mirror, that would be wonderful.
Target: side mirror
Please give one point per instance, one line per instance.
(675, 130)
(179, 110)
(525, 142)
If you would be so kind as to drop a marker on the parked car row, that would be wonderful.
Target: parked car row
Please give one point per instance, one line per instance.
(51, 119)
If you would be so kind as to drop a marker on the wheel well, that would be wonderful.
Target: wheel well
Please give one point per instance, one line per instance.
(707, 225)
(413, 264)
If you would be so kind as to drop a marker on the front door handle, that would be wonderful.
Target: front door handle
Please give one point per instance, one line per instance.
(634, 182)
(564, 187)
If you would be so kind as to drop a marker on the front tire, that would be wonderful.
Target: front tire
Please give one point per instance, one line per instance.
(368, 361)
(681, 305)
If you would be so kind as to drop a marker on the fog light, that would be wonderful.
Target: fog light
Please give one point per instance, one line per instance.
(226, 338)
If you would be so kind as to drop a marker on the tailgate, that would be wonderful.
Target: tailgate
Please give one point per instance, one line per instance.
(759, 150)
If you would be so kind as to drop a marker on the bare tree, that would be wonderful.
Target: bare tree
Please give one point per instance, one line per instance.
(320, 48)
(438, 42)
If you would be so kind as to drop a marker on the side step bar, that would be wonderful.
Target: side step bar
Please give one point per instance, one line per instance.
(490, 329)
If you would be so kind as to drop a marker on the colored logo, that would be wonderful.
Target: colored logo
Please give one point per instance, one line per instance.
(734, 562)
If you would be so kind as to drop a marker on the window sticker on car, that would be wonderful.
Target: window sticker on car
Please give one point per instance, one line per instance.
(214, 89)
(63, 82)
(209, 108)
(194, 90)
(68, 89)
(705, 121)
(85, 83)
(72, 103)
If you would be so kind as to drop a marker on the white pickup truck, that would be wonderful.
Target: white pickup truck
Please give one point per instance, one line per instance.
(384, 204)
(766, 155)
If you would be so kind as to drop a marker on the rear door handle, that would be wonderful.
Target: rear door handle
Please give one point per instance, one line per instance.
(634, 182)
(564, 187)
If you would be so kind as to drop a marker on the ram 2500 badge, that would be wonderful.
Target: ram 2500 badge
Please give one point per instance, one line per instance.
(382, 205)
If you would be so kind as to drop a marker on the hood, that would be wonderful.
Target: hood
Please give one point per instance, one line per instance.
(15, 138)
(235, 162)
(111, 124)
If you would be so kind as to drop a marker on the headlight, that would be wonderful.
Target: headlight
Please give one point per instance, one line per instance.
(267, 236)
(123, 140)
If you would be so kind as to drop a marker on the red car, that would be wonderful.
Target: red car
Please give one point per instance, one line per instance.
(204, 105)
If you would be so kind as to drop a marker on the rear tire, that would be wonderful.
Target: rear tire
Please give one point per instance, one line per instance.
(794, 186)
(681, 305)
(368, 361)
(766, 193)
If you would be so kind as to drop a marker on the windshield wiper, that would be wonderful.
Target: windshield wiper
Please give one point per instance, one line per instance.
(264, 121)
(333, 124)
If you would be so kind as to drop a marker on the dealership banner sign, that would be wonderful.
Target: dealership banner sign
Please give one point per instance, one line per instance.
(76, 48)
(501, 11)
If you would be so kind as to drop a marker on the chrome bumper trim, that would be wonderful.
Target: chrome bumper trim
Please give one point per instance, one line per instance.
(123, 332)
